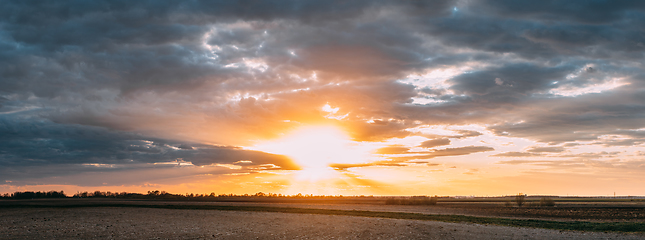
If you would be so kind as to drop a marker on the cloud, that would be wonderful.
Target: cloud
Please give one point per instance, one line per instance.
(472, 171)
(435, 143)
(102, 82)
(462, 134)
(447, 152)
(402, 161)
(582, 11)
(466, 134)
(555, 152)
(29, 143)
(584, 119)
(392, 150)
(517, 154)
(120, 60)
(546, 149)
(590, 155)
(593, 165)
(620, 142)
(345, 166)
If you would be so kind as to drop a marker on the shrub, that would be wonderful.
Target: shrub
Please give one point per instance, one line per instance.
(519, 199)
(547, 202)
(412, 201)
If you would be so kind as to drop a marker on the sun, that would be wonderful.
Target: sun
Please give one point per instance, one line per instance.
(314, 148)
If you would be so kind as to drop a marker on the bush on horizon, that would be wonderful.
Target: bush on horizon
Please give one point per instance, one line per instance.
(520, 199)
(422, 200)
(547, 202)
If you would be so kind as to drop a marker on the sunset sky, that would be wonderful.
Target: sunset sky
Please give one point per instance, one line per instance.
(323, 97)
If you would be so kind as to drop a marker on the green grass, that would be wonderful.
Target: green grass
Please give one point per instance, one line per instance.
(558, 225)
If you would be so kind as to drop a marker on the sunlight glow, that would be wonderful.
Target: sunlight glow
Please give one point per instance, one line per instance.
(314, 148)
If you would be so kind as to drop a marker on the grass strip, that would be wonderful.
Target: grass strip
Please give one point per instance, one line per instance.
(547, 224)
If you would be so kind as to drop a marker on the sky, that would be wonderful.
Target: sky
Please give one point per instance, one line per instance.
(323, 97)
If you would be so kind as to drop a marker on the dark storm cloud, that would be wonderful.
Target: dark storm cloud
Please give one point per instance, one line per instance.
(130, 48)
(28, 142)
(508, 84)
(580, 10)
(150, 23)
(548, 38)
(140, 44)
(584, 118)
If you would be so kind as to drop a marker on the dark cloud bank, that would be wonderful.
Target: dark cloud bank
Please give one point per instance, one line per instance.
(118, 82)
(30, 143)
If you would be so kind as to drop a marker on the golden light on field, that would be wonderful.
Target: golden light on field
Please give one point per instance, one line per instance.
(314, 148)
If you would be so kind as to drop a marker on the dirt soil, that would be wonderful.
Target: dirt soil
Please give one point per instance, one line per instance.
(563, 212)
(578, 211)
(148, 223)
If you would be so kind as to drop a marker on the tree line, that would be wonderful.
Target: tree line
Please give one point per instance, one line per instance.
(156, 194)
(32, 195)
